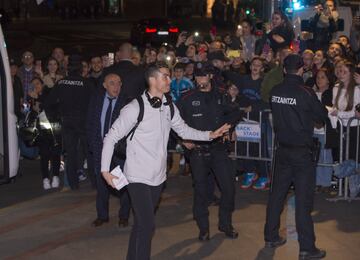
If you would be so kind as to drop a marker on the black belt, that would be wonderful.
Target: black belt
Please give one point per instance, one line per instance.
(293, 146)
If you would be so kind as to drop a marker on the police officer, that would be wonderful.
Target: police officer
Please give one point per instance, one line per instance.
(203, 109)
(295, 110)
(72, 94)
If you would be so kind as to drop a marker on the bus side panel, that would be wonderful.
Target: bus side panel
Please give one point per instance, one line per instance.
(9, 142)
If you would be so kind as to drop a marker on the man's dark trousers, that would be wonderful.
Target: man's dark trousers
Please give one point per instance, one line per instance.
(293, 164)
(73, 129)
(219, 163)
(144, 199)
(102, 199)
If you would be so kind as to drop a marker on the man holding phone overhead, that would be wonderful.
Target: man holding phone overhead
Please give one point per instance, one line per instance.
(324, 24)
(132, 76)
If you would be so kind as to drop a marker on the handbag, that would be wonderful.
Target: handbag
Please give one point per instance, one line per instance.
(28, 129)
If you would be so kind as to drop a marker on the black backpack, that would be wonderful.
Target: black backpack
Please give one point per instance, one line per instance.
(120, 146)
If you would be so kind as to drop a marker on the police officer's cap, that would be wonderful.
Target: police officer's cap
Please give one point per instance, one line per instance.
(293, 62)
(203, 69)
(74, 64)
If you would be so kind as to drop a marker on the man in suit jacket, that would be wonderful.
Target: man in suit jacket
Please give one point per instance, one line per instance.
(132, 76)
(103, 110)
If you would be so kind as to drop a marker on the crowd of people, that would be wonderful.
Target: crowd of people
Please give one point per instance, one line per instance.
(245, 68)
(211, 81)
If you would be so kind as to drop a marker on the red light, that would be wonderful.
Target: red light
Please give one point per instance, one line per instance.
(174, 30)
(150, 30)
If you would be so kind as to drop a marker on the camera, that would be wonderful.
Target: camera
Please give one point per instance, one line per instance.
(357, 108)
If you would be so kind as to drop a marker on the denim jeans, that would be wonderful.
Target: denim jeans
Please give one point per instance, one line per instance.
(324, 173)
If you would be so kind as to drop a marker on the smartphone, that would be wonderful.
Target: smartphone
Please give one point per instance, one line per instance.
(357, 70)
(266, 48)
(233, 53)
(184, 33)
(111, 56)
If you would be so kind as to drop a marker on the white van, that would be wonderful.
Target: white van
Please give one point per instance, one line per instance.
(9, 151)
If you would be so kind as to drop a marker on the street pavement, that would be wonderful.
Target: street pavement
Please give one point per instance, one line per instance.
(57, 225)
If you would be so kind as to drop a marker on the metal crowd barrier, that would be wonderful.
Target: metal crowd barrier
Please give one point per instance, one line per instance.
(342, 189)
(347, 154)
(343, 183)
(261, 152)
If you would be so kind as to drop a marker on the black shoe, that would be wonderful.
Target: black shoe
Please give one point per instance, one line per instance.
(274, 244)
(123, 222)
(204, 235)
(230, 232)
(316, 254)
(98, 222)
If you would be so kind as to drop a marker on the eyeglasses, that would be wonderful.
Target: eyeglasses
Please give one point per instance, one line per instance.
(27, 56)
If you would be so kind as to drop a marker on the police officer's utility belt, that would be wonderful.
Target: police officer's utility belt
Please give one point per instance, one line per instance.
(207, 148)
(294, 146)
(314, 148)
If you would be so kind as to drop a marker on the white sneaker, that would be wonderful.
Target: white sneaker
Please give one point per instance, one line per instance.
(55, 182)
(62, 166)
(46, 184)
(82, 177)
(85, 164)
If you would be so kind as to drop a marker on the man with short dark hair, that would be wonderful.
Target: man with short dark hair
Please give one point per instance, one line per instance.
(145, 165)
(96, 70)
(203, 108)
(295, 110)
(26, 72)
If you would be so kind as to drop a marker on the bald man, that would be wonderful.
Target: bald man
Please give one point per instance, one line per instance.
(132, 76)
(103, 110)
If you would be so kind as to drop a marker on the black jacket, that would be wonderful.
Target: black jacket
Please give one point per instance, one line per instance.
(295, 110)
(206, 111)
(93, 124)
(132, 77)
(73, 95)
(322, 36)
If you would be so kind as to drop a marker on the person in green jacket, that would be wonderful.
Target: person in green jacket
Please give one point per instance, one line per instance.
(274, 76)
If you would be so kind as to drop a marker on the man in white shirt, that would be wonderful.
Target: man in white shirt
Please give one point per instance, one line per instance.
(146, 153)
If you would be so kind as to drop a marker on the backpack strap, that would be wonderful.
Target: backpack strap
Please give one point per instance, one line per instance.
(172, 110)
(139, 118)
(170, 103)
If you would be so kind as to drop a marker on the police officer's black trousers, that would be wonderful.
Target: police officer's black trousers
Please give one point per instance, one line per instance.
(144, 199)
(293, 165)
(73, 133)
(219, 163)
